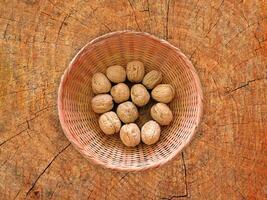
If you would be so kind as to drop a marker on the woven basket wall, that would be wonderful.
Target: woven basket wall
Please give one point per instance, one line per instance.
(80, 123)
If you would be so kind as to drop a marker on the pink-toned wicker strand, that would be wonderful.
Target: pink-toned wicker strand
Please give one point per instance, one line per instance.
(79, 123)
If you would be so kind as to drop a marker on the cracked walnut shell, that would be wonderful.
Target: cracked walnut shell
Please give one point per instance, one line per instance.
(109, 123)
(163, 93)
(102, 103)
(100, 83)
(161, 113)
(139, 95)
(130, 135)
(135, 71)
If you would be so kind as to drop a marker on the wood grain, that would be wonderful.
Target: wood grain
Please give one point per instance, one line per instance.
(225, 39)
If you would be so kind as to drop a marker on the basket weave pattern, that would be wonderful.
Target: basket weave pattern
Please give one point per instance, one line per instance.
(80, 123)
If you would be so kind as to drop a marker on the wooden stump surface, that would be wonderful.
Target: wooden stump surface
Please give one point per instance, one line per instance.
(226, 41)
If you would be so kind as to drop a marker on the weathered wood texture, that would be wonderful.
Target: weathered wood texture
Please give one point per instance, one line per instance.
(226, 40)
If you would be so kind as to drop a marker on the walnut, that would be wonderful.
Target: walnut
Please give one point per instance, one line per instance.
(116, 74)
(161, 113)
(100, 83)
(150, 132)
(135, 71)
(139, 95)
(102, 103)
(120, 92)
(109, 123)
(163, 93)
(130, 134)
(127, 112)
(152, 79)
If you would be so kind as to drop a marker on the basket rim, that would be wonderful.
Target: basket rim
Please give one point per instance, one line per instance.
(156, 164)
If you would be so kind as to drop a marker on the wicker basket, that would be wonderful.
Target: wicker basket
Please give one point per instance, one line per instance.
(80, 124)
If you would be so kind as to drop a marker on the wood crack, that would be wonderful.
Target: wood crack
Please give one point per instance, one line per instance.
(54, 191)
(72, 10)
(191, 56)
(186, 195)
(91, 191)
(217, 21)
(243, 85)
(16, 92)
(220, 5)
(41, 110)
(134, 15)
(126, 174)
(99, 21)
(13, 136)
(185, 175)
(242, 31)
(258, 40)
(47, 14)
(11, 157)
(17, 194)
(149, 16)
(61, 25)
(217, 88)
(212, 27)
(231, 124)
(27, 123)
(35, 116)
(45, 169)
(167, 21)
(243, 15)
(123, 176)
(4, 35)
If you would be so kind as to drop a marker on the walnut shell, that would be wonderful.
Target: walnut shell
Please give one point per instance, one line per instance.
(130, 134)
(161, 113)
(150, 132)
(102, 103)
(139, 95)
(127, 112)
(120, 92)
(135, 71)
(152, 79)
(116, 74)
(109, 123)
(163, 93)
(100, 83)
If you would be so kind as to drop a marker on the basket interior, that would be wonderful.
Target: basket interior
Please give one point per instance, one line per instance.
(80, 123)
